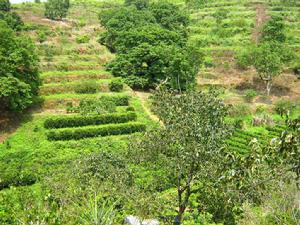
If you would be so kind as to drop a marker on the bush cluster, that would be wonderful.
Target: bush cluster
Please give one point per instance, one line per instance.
(150, 40)
(79, 121)
(87, 87)
(87, 132)
(116, 86)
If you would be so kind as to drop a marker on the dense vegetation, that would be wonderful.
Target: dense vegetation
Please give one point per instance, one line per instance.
(19, 70)
(216, 142)
(150, 40)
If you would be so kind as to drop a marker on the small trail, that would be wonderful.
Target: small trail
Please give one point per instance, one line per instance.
(261, 18)
(144, 96)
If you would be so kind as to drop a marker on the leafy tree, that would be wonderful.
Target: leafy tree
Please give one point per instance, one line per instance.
(18, 69)
(13, 20)
(139, 4)
(268, 63)
(119, 20)
(152, 34)
(274, 30)
(190, 147)
(170, 16)
(5, 5)
(56, 9)
(156, 64)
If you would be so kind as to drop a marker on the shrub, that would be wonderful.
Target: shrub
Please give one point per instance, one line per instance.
(139, 4)
(79, 121)
(240, 110)
(98, 106)
(83, 39)
(87, 132)
(130, 109)
(284, 107)
(42, 37)
(87, 87)
(116, 85)
(13, 20)
(243, 59)
(56, 9)
(5, 5)
(250, 94)
(137, 83)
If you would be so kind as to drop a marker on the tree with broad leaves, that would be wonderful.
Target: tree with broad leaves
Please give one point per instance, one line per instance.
(190, 146)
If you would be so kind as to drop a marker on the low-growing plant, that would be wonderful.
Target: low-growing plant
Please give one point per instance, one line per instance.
(83, 39)
(240, 110)
(80, 121)
(42, 37)
(116, 85)
(250, 94)
(96, 107)
(284, 107)
(87, 87)
(87, 132)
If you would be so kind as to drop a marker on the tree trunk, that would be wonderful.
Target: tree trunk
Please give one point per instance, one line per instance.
(269, 86)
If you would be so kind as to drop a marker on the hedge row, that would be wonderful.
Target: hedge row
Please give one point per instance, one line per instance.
(80, 121)
(87, 132)
(118, 100)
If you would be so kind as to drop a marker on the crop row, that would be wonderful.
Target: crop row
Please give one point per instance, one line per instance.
(98, 131)
(80, 121)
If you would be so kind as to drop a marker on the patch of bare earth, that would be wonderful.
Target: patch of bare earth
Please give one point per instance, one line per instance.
(261, 18)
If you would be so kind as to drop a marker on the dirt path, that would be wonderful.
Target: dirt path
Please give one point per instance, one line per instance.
(144, 97)
(261, 18)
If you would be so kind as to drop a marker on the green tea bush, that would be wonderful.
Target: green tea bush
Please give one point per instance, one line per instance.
(116, 85)
(42, 37)
(284, 107)
(56, 9)
(79, 121)
(240, 110)
(87, 132)
(87, 87)
(250, 94)
(83, 39)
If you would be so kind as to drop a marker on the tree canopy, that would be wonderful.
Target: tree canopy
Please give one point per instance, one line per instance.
(5, 5)
(56, 9)
(151, 44)
(18, 70)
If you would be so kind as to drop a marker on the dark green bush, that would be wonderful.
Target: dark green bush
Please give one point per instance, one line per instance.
(116, 85)
(5, 5)
(87, 132)
(42, 37)
(130, 109)
(13, 20)
(79, 121)
(88, 87)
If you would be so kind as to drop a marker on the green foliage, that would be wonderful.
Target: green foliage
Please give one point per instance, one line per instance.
(82, 39)
(13, 20)
(56, 9)
(195, 4)
(244, 58)
(274, 30)
(42, 37)
(156, 64)
(151, 46)
(250, 94)
(188, 145)
(239, 110)
(267, 62)
(139, 4)
(79, 121)
(87, 132)
(18, 70)
(14, 94)
(87, 87)
(116, 85)
(284, 108)
(5, 5)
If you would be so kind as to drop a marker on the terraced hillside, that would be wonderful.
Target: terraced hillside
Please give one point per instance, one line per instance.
(77, 112)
